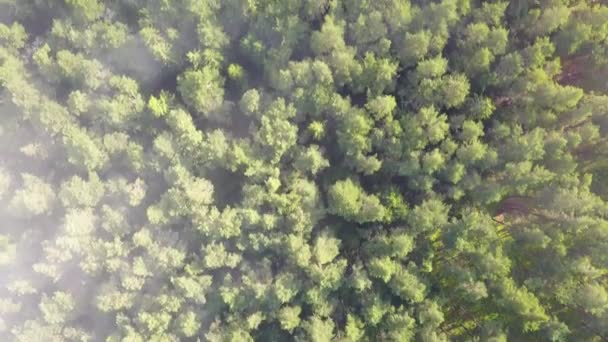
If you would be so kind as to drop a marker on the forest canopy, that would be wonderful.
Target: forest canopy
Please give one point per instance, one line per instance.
(303, 170)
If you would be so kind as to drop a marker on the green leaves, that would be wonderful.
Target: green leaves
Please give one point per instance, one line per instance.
(89, 10)
(83, 151)
(382, 107)
(189, 324)
(289, 317)
(326, 249)
(78, 69)
(344, 198)
(78, 192)
(202, 89)
(34, 197)
(13, 36)
(383, 268)
(286, 287)
(526, 308)
(318, 329)
(341, 170)
(276, 134)
(406, 285)
(415, 46)
(430, 215)
(56, 309)
(216, 256)
(347, 199)
(593, 298)
(311, 160)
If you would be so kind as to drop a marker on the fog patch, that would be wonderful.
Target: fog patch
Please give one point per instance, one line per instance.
(135, 60)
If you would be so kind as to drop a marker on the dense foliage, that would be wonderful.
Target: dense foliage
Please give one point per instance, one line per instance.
(309, 170)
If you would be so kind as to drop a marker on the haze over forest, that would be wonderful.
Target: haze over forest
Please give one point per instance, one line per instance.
(303, 170)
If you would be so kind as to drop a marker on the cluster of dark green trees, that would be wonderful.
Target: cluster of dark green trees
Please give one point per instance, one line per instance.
(309, 170)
